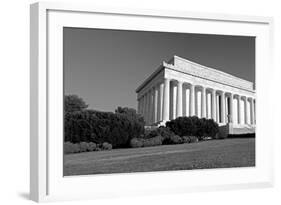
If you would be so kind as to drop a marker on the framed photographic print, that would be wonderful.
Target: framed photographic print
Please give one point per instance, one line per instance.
(127, 102)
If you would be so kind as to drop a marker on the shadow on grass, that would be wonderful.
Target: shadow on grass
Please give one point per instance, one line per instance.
(250, 135)
(24, 195)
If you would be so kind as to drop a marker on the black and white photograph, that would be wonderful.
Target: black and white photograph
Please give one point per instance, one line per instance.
(146, 101)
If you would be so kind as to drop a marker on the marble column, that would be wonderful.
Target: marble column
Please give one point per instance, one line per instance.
(223, 107)
(139, 101)
(173, 102)
(179, 99)
(149, 108)
(140, 105)
(151, 116)
(192, 100)
(231, 108)
(156, 93)
(239, 119)
(218, 109)
(145, 108)
(246, 110)
(166, 103)
(160, 101)
(255, 115)
(252, 112)
(203, 103)
(213, 105)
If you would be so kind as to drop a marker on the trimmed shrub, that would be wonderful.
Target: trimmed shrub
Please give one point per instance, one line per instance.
(76, 148)
(67, 147)
(186, 139)
(84, 146)
(98, 149)
(165, 132)
(91, 146)
(183, 126)
(193, 139)
(174, 139)
(150, 133)
(70, 148)
(154, 141)
(106, 146)
(193, 126)
(136, 142)
(160, 131)
(208, 138)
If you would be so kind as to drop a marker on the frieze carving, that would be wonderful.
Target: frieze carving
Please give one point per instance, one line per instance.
(209, 73)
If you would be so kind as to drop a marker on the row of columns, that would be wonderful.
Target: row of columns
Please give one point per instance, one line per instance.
(155, 106)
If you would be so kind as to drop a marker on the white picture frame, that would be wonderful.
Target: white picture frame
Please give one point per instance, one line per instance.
(46, 179)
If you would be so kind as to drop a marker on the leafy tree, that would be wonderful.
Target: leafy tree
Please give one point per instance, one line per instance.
(73, 103)
(129, 112)
(136, 120)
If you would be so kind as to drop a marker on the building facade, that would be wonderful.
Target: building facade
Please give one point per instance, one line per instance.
(183, 88)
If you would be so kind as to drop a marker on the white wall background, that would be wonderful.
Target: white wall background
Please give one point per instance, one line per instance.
(14, 102)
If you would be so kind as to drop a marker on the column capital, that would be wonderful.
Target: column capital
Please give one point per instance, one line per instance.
(167, 79)
(179, 82)
(220, 92)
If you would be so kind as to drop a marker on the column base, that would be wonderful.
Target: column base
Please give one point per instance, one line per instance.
(158, 124)
(236, 129)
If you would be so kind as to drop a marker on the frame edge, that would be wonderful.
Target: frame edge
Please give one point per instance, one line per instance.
(38, 103)
(34, 178)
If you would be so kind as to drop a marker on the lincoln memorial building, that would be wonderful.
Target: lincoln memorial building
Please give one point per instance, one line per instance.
(180, 87)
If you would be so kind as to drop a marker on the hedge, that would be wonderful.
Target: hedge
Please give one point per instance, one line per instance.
(154, 141)
(175, 139)
(193, 126)
(140, 142)
(106, 146)
(98, 127)
(70, 147)
(162, 131)
(136, 142)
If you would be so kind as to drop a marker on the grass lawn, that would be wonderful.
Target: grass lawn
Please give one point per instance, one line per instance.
(203, 155)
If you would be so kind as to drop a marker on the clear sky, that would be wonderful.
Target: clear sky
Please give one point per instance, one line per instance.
(105, 67)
